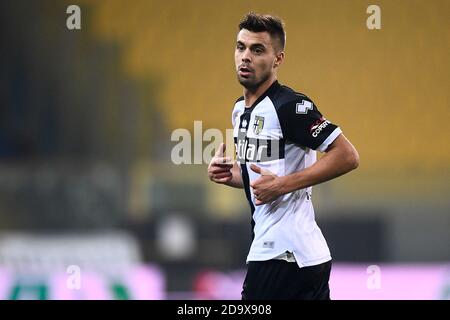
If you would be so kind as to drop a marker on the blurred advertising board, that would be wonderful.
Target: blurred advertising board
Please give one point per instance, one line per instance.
(351, 282)
(97, 266)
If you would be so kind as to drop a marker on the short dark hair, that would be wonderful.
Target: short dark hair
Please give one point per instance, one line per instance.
(259, 23)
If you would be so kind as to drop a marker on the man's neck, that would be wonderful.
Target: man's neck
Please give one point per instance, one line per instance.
(250, 96)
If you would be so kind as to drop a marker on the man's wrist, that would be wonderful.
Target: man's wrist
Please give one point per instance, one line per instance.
(290, 183)
(284, 185)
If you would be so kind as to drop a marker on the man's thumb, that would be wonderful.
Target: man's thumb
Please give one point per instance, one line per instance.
(255, 168)
(261, 171)
(221, 150)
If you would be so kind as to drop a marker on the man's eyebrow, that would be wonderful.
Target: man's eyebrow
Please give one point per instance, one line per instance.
(255, 45)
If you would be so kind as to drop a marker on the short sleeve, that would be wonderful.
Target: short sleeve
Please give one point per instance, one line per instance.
(303, 124)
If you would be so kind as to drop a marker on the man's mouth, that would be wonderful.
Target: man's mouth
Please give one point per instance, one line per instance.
(245, 71)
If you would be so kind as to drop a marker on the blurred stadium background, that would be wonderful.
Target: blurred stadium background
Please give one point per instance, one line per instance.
(87, 186)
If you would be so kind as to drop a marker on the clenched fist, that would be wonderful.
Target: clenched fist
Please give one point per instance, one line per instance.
(219, 169)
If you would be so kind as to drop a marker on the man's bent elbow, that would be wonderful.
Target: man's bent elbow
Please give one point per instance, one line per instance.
(353, 159)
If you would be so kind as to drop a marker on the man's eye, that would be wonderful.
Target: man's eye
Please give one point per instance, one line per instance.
(240, 48)
(258, 51)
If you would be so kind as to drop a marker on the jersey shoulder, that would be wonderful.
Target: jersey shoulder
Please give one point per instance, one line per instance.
(239, 104)
(238, 108)
(286, 96)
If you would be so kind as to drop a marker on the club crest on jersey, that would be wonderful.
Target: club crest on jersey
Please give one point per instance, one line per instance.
(258, 125)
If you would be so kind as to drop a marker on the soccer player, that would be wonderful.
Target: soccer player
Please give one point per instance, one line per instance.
(276, 133)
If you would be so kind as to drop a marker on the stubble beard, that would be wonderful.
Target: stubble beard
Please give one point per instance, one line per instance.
(253, 84)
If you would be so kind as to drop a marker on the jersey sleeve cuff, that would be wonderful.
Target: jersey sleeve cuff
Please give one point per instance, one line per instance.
(329, 140)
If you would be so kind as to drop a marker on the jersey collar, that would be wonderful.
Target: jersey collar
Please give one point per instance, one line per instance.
(273, 87)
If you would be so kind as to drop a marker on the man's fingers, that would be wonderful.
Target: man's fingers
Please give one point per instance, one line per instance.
(255, 183)
(221, 150)
(221, 175)
(223, 180)
(223, 161)
(219, 169)
(258, 202)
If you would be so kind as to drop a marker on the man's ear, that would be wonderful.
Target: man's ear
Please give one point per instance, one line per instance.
(279, 59)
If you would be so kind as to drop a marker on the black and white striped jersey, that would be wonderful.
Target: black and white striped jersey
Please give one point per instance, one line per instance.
(280, 132)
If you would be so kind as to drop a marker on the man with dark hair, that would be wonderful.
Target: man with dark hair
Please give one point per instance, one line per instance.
(273, 25)
(276, 133)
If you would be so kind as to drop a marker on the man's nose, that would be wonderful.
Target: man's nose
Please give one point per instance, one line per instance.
(246, 56)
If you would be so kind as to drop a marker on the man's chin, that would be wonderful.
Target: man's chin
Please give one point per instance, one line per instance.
(247, 82)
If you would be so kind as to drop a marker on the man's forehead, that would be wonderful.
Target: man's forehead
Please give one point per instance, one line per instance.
(248, 37)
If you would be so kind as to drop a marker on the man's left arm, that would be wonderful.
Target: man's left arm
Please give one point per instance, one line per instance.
(340, 158)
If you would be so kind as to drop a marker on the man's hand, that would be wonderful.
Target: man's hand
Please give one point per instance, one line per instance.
(266, 188)
(219, 169)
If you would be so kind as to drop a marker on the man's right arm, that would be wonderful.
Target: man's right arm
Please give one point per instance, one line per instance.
(236, 180)
(225, 171)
